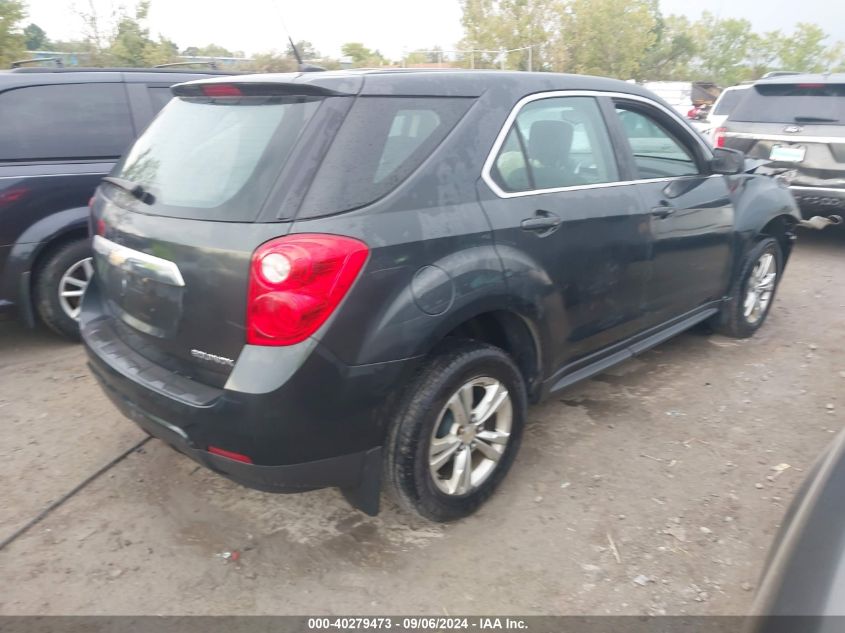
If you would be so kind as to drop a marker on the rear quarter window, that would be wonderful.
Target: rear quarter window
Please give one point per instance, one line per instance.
(382, 141)
(65, 121)
(728, 101)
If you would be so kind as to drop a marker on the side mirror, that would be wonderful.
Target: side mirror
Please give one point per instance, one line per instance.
(727, 161)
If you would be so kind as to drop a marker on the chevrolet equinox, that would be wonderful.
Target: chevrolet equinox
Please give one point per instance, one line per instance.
(361, 279)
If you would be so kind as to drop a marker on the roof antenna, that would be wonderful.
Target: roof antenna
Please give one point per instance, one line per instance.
(303, 67)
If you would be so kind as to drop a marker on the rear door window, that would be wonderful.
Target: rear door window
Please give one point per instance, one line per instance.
(382, 141)
(802, 103)
(65, 122)
(215, 159)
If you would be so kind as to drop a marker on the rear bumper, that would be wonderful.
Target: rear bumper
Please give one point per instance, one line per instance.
(323, 427)
(819, 200)
(341, 471)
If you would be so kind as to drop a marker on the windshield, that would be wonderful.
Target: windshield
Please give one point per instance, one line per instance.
(809, 103)
(215, 159)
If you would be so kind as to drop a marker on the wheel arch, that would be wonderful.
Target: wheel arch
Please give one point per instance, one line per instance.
(31, 250)
(505, 329)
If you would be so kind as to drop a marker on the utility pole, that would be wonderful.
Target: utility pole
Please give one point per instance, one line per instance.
(502, 58)
(530, 60)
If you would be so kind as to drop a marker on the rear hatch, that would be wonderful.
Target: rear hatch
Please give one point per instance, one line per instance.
(177, 221)
(799, 126)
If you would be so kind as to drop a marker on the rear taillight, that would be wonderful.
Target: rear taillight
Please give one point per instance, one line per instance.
(295, 284)
(719, 137)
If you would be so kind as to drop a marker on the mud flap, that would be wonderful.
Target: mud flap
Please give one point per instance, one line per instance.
(367, 494)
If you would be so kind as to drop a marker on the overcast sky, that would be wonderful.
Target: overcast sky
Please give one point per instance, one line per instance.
(392, 26)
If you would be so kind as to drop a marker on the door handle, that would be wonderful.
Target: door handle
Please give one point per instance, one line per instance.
(662, 212)
(542, 222)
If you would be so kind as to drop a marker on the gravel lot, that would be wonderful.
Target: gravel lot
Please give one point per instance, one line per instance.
(656, 487)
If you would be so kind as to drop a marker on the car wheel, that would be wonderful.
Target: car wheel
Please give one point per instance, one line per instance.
(457, 432)
(59, 284)
(752, 292)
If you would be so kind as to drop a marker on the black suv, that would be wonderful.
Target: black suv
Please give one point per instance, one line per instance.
(62, 130)
(797, 122)
(321, 279)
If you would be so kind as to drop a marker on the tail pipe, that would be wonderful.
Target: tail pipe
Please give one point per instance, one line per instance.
(819, 223)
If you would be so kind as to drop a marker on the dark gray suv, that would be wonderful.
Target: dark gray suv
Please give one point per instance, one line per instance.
(797, 122)
(339, 279)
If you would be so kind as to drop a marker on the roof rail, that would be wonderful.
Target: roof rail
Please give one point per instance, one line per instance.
(22, 62)
(211, 64)
(779, 73)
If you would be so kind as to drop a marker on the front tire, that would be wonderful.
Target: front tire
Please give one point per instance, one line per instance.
(59, 284)
(457, 432)
(752, 291)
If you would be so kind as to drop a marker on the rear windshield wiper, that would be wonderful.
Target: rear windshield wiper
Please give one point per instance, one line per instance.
(133, 188)
(815, 119)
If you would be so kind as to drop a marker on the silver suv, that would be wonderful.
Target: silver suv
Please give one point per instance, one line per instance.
(798, 123)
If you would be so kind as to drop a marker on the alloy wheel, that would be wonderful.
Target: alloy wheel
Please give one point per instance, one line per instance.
(72, 286)
(761, 287)
(470, 436)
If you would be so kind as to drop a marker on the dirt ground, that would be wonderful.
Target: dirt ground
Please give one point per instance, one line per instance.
(654, 488)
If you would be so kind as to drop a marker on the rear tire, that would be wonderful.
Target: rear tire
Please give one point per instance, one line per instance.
(464, 412)
(59, 283)
(752, 292)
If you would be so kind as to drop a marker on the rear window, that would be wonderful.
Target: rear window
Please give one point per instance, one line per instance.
(808, 103)
(382, 141)
(728, 100)
(65, 122)
(215, 159)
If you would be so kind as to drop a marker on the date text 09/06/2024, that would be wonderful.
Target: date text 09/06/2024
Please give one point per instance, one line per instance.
(417, 623)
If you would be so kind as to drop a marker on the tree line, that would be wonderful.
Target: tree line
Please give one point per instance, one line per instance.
(628, 39)
(632, 39)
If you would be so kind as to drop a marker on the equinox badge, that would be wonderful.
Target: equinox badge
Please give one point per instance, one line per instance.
(212, 358)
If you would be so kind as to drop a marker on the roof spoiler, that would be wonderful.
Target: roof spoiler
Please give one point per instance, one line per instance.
(253, 89)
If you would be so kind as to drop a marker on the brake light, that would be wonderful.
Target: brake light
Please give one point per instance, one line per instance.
(295, 284)
(719, 137)
(238, 457)
(221, 90)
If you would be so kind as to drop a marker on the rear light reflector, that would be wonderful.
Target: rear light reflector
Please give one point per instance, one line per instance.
(221, 90)
(295, 284)
(719, 137)
(238, 457)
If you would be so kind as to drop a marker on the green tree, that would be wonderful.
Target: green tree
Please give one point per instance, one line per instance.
(11, 39)
(211, 50)
(132, 44)
(763, 53)
(305, 48)
(608, 37)
(271, 63)
(362, 56)
(35, 38)
(674, 48)
(805, 50)
(723, 49)
(495, 25)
